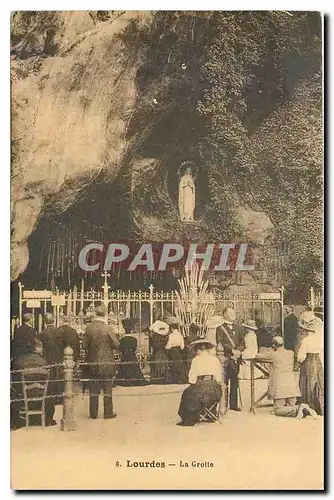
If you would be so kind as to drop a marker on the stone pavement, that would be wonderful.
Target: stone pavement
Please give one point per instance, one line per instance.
(247, 451)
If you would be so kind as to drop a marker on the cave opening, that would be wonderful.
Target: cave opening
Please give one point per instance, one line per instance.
(103, 212)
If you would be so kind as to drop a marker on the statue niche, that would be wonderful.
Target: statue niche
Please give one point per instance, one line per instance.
(187, 196)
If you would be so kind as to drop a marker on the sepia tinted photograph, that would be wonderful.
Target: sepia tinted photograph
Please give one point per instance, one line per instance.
(167, 306)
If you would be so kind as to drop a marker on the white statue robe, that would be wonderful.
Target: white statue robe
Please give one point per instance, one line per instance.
(187, 197)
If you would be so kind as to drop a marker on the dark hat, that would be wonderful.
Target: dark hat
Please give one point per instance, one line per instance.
(193, 328)
(128, 324)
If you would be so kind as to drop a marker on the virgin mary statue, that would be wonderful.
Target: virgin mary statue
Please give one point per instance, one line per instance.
(187, 196)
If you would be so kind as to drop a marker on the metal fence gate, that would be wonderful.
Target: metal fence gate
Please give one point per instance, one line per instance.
(75, 305)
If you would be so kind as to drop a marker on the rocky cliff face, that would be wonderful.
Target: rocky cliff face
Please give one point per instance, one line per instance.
(70, 112)
(73, 95)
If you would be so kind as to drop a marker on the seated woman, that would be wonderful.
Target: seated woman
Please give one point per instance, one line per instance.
(129, 373)
(205, 388)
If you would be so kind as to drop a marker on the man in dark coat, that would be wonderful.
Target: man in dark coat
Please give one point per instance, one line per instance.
(51, 339)
(53, 352)
(290, 329)
(24, 337)
(70, 337)
(264, 336)
(229, 338)
(99, 341)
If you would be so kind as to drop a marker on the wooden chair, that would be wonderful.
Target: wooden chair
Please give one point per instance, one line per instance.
(35, 386)
(210, 414)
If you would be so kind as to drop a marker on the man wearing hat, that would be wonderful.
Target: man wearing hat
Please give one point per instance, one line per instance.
(100, 341)
(24, 337)
(290, 329)
(229, 338)
(53, 352)
(282, 385)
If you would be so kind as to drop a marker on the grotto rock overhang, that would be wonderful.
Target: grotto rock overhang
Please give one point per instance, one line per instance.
(68, 122)
(69, 127)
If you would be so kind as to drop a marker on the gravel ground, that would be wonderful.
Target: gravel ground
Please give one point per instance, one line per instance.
(247, 451)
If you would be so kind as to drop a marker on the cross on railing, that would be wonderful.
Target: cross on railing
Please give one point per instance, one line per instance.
(105, 287)
(105, 275)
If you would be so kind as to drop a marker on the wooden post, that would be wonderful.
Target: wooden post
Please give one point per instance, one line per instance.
(223, 405)
(252, 384)
(68, 423)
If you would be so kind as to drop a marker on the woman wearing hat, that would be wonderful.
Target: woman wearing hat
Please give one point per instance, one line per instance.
(311, 380)
(175, 346)
(129, 372)
(158, 342)
(250, 350)
(205, 379)
(283, 386)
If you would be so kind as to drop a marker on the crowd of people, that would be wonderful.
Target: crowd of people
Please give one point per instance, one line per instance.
(219, 360)
(296, 383)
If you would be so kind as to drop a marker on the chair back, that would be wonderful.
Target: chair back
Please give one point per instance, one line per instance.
(35, 384)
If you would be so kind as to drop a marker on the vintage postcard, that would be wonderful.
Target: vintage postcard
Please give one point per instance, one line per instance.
(167, 250)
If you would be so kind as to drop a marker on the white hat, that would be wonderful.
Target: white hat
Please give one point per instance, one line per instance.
(204, 342)
(278, 341)
(160, 327)
(250, 324)
(314, 325)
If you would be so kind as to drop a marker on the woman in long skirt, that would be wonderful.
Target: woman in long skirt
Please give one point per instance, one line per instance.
(311, 379)
(250, 351)
(129, 373)
(205, 389)
(175, 346)
(158, 342)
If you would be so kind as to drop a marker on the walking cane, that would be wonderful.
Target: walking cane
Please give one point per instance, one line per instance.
(239, 393)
